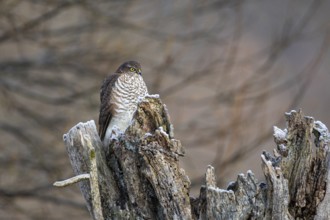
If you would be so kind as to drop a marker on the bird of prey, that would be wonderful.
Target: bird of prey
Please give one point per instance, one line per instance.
(119, 96)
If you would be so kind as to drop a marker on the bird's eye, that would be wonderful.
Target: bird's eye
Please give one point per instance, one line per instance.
(132, 69)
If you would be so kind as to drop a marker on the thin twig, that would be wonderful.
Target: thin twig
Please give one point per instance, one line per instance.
(72, 180)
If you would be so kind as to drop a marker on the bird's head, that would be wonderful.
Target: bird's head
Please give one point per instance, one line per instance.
(132, 67)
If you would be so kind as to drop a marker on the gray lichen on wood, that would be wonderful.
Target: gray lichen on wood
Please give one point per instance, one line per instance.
(139, 175)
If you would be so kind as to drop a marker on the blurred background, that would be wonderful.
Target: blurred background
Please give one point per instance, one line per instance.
(227, 71)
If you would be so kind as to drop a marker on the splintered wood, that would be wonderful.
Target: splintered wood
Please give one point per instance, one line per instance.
(138, 175)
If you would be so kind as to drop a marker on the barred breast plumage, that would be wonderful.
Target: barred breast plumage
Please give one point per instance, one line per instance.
(119, 98)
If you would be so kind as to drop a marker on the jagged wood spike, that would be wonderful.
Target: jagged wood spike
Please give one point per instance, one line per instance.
(140, 178)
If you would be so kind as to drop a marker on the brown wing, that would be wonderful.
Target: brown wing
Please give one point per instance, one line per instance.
(106, 108)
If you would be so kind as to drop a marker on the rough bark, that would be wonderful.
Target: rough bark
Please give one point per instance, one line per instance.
(139, 175)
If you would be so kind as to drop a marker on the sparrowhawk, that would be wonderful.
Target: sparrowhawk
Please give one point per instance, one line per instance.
(120, 93)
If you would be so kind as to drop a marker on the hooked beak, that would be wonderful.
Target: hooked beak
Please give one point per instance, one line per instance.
(140, 72)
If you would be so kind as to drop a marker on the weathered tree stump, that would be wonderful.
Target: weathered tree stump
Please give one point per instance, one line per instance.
(138, 175)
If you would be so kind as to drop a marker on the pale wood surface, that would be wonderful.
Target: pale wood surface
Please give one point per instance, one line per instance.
(140, 177)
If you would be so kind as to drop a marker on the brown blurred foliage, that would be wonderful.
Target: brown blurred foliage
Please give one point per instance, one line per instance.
(227, 70)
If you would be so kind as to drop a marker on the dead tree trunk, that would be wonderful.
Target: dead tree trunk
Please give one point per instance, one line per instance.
(138, 176)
